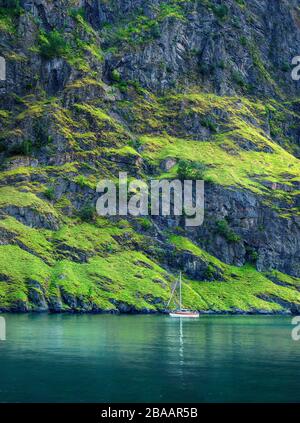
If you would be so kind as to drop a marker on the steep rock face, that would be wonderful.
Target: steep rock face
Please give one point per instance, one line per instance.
(222, 46)
(273, 239)
(94, 88)
(239, 228)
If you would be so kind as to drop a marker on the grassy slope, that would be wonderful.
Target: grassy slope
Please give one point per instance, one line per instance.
(104, 278)
(228, 163)
(241, 288)
(118, 273)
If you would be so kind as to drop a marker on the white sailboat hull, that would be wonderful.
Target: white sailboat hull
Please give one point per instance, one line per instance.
(184, 314)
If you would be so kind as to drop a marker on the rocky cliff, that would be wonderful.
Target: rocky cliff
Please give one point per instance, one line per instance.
(167, 89)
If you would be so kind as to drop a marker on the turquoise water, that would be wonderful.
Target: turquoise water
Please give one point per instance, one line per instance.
(104, 358)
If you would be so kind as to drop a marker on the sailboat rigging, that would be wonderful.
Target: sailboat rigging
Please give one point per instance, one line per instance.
(180, 312)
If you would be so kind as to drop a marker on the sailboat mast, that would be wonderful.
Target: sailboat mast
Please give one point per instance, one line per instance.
(180, 296)
(173, 290)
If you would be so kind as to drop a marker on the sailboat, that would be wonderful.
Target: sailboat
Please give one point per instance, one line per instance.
(181, 312)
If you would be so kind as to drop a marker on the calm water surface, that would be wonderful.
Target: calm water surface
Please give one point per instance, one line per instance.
(67, 358)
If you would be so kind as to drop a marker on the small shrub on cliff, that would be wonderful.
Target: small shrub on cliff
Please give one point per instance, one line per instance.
(74, 13)
(171, 11)
(145, 223)
(190, 170)
(209, 273)
(53, 44)
(50, 193)
(241, 3)
(115, 75)
(224, 230)
(87, 213)
(221, 11)
(238, 78)
(209, 124)
(82, 181)
(252, 254)
(24, 149)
